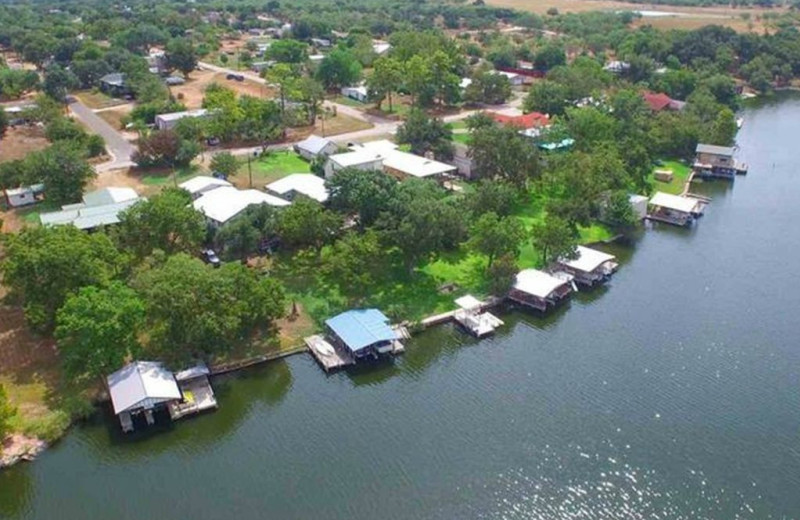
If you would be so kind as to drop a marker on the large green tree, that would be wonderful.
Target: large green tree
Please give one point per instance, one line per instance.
(306, 223)
(44, 265)
(495, 236)
(97, 329)
(387, 78)
(339, 69)
(363, 193)
(500, 152)
(166, 221)
(63, 169)
(6, 413)
(181, 55)
(426, 134)
(554, 237)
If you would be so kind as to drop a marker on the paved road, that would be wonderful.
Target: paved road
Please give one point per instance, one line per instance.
(119, 148)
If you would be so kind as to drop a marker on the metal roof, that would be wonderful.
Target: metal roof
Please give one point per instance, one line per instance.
(314, 144)
(674, 202)
(109, 196)
(224, 203)
(306, 183)
(202, 183)
(587, 260)
(360, 328)
(84, 216)
(537, 283)
(468, 302)
(175, 116)
(198, 370)
(714, 149)
(141, 384)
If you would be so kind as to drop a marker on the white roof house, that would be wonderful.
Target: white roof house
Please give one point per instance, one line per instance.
(676, 203)
(306, 184)
(358, 92)
(165, 121)
(380, 47)
(314, 145)
(464, 83)
(201, 184)
(361, 160)
(141, 384)
(415, 166)
(513, 77)
(587, 259)
(537, 283)
(222, 204)
(99, 208)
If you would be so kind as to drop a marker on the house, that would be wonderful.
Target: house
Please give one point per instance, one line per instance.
(515, 79)
(24, 195)
(617, 67)
(660, 101)
(359, 93)
(222, 204)
(540, 290)
(360, 160)
(140, 388)
(316, 58)
(462, 160)
(589, 266)
(114, 85)
(523, 122)
(380, 47)
(258, 66)
(314, 146)
(717, 161)
(295, 184)
(403, 164)
(168, 121)
(99, 209)
(320, 42)
(363, 333)
(157, 61)
(676, 210)
(201, 184)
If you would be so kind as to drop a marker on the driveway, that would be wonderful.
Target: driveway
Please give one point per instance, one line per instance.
(119, 148)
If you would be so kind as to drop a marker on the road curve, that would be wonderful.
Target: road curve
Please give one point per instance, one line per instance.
(116, 145)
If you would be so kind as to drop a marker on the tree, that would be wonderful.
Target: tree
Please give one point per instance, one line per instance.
(492, 89)
(181, 55)
(166, 221)
(63, 169)
(723, 130)
(287, 51)
(242, 236)
(97, 329)
(619, 212)
(195, 311)
(494, 236)
(3, 122)
(502, 274)
(225, 163)
(165, 148)
(419, 81)
(58, 81)
(547, 97)
(494, 196)
(549, 56)
(356, 261)
(339, 69)
(6, 413)
(286, 79)
(307, 224)
(387, 77)
(554, 237)
(500, 152)
(44, 265)
(426, 134)
(365, 193)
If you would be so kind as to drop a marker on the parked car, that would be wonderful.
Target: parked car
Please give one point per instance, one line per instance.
(213, 141)
(210, 257)
(237, 77)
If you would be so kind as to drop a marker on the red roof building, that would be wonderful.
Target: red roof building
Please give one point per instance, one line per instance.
(660, 101)
(525, 121)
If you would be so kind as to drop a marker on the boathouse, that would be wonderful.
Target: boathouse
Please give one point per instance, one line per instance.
(140, 388)
(589, 266)
(363, 333)
(717, 161)
(471, 316)
(674, 209)
(540, 290)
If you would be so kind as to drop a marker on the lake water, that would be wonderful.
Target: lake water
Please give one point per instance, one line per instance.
(671, 393)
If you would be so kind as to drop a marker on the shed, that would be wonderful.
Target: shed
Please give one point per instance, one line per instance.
(359, 93)
(167, 121)
(639, 205)
(24, 195)
(315, 146)
(540, 290)
(306, 184)
(363, 332)
(589, 266)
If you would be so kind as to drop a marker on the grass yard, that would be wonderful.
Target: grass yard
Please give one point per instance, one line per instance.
(463, 138)
(95, 99)
(340, 124)
(163, 177)
(680, 172)
(268, 169)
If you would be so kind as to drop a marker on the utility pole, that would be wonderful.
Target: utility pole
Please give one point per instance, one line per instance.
(250, 171)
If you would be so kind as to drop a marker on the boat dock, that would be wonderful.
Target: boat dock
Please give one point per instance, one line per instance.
(326, 355)
(198, 396)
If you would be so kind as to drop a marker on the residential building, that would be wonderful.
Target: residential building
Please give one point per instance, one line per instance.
(360, 160)
(168, 121)
(320, 42)
(659, 101)
(617, 67)
(99, 209)
(24, 195)
(201, 184)
(223, 204)
(359, 93)
(380, 47)
(296, 184)
(403, 164)
(315, 146)
(522, 121)
(114, 85)
(515, 79)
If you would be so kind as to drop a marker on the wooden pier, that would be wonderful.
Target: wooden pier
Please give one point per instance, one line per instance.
(329, 357)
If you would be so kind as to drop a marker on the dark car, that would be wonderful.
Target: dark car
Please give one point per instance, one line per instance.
(211, 258)
(237, 77)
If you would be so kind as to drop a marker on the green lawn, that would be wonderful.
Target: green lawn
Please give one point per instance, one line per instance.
(163, 178)
(461, 124)
(268, 169)
(463, 138)
(680, 172)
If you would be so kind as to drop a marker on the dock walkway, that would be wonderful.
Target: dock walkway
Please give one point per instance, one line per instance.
(326, 355)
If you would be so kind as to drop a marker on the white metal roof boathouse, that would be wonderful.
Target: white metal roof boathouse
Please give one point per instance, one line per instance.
(540, 290)
(589, 266)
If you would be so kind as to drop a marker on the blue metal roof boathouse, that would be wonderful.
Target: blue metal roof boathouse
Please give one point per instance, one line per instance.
(364, 333)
